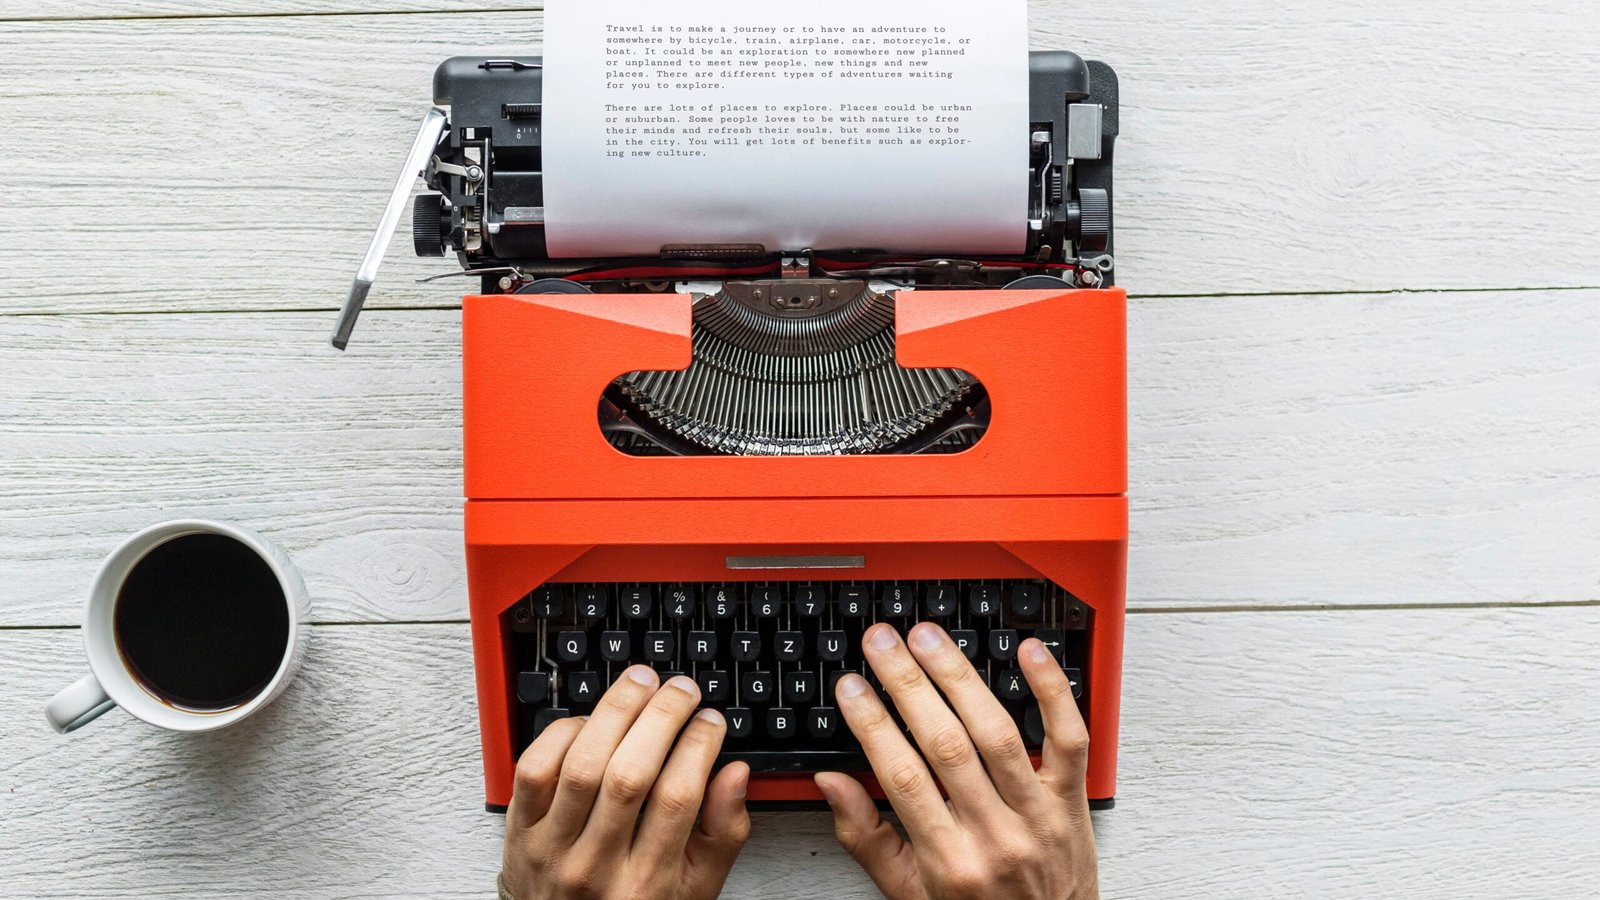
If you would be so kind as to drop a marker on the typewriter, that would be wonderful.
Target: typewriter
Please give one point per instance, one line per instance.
(729, 461)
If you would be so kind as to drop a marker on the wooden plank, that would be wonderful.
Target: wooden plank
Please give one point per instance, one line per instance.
(350, 461)
(364, 778)
(78, 10)
(1358, 754)
(1337, 449)
(1436, 753)
(240, 163)
(1411, 448)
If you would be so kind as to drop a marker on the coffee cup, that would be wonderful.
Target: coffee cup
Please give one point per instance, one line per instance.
(191, 625)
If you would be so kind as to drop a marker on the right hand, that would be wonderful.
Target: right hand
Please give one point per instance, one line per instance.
(1006, 831)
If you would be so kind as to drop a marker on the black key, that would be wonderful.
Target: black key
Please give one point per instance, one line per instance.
(799, 687)
(967, 640)
(543, 718)
(549, 601)
(789, 645)
(1003, 644)
(831, 645)
(746, 645)
(1076, 678)
(1053, 639)
(659, 646)
(766, 601)
(702, 646)
(757, 687)
(983, 599)
(713, 685)
(722, 601)
(781, 722)
(533, 687)
(583, 687)
(1026, 600)
(637, 602)
(679, 602)
(614, 645)
(810, 601)
(822, 721)
(853, 600)
(572, 646)
(938, 600)
(594, 602)
(740, 721)
(1011, 685)
(897, 600)
(1033, 726)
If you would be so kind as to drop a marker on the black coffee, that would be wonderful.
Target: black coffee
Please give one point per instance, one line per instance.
(201, 621)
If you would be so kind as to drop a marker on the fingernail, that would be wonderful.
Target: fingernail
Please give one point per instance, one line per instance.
(927, 637)
(684, 683)
(1036, 651)
(850, 686)
(710, 715)
(828, 793)
(642, 675)
(741, 785)
(882, 638)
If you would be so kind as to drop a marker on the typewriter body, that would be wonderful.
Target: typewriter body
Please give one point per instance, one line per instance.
(728, 461)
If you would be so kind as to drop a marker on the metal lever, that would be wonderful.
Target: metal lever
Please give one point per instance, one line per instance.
(433, 126)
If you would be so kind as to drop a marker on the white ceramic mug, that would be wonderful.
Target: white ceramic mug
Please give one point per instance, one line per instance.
(110, 683)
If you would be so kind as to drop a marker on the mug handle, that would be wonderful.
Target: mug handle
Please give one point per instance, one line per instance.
(77, 704)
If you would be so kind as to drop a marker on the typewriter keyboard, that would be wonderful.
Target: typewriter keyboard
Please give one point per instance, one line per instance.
(767, 654)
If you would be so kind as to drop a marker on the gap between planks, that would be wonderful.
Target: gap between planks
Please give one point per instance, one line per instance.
(267, 14)
(450, 307)
(1138, 611)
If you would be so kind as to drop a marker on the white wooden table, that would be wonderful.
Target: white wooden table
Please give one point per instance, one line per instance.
(1364, 658)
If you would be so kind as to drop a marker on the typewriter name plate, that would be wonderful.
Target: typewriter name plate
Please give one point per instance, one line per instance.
(795, 296)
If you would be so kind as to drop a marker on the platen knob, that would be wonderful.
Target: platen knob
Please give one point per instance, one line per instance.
(430, 225)
(1093, 219)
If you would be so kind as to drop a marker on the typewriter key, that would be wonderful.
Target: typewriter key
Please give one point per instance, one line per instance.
(939, 600)
(549, 602)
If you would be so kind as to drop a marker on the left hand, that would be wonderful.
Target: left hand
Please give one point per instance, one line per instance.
(606, 807)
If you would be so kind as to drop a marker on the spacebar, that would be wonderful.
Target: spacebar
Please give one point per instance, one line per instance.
(798, 760)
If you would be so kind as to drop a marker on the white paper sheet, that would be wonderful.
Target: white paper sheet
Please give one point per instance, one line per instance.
(829, 124)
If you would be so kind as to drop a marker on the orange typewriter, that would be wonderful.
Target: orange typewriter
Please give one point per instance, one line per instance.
(728, 462)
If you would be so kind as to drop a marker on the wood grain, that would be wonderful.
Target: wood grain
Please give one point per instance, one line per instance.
(225, 160)
(1440, 753)
(1417, 448)
(240, 163)
(79, 10)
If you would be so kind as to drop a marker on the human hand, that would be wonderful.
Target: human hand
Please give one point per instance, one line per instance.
(575, 826)
(1007, 831)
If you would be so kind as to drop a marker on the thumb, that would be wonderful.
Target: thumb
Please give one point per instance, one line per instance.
(870, 841)
(723, 829)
